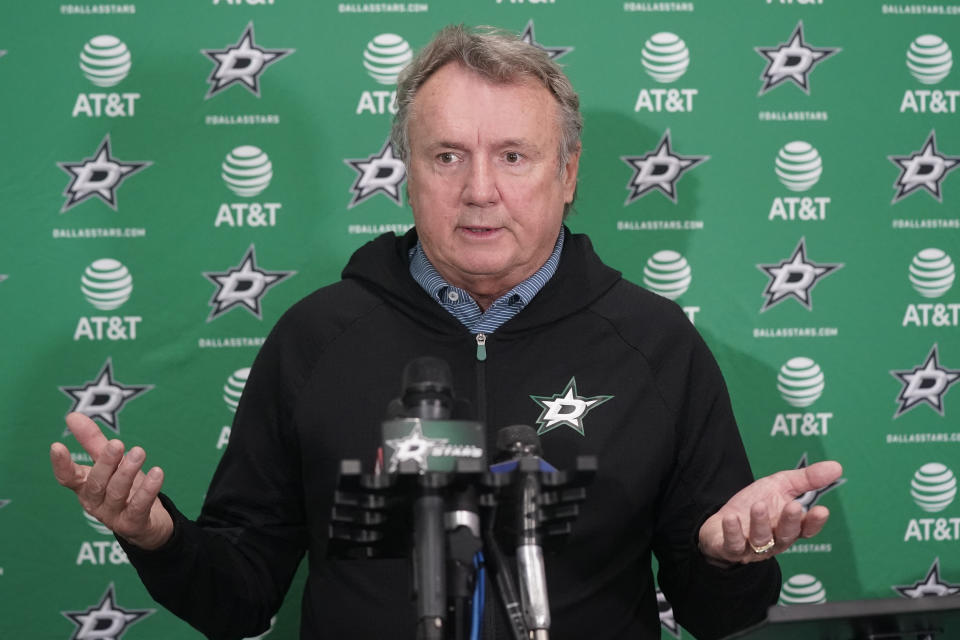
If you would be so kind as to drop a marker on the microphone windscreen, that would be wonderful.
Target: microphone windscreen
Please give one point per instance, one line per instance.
(518, 440)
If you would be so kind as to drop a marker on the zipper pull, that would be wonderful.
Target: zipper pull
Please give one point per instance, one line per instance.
(481, 347)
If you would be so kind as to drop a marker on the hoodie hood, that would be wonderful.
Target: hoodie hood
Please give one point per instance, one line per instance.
(382, 266)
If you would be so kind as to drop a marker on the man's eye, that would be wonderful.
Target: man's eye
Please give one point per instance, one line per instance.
(512, 157)
(447, 157)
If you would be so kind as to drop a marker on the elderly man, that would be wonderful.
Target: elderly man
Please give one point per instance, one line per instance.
(536, 330)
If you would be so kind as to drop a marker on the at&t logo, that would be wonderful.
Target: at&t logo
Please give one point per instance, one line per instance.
(798, 167)
(668, 274)
(100, 552)
(232, 390)
(665, 58)
(247, 171)
(929, 61)
(802, 588)
(384, 58)
(931, 275)
(933, 489)
(800, 383)
(107, 285)
(105, 61)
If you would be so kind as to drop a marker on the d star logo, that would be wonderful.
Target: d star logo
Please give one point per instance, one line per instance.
(100, 176)
(103, 398)
(667, 620)
(793, 61)
(555, 53)
(241, 63)
(566, 408)
(794, 277)
(105, 620)
(931, 585)
(924, 169)
(810, 498)
(381, 172)
(242, 286)
(659, 169)
(415, 446)
(927, 383)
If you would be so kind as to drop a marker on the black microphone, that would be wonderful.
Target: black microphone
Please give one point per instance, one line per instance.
(520, 443)
(427, 394)
(420, 430)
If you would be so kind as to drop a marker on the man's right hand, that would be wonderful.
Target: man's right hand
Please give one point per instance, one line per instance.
(114, 490)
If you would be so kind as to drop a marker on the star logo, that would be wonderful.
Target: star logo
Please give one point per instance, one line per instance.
(810, 498)
(104, 397)
(924, 169)
(3, 277)
(4, 503)
(567, 408)
(415, 446)
(927, 383)
(931, 585)
(555, 53)
(793, 61)
(100, 176)
(667, 621)
(659, 169)
(794, 277)
(241, 63)
(105, 620)
(243, 286)
(381, 172)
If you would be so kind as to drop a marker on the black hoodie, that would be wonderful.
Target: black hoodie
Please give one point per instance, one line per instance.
(630, 380)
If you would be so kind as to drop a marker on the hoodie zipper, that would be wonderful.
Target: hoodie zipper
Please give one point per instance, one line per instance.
(481, 370)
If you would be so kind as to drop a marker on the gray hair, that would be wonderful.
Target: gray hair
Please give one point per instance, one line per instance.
(499, 56)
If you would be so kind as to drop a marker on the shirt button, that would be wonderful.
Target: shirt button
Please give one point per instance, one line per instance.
(453, 296)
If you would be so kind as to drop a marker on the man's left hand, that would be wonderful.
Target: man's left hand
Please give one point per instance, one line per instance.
(764, 518)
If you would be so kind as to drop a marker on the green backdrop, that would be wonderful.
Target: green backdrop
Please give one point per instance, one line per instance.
(176, 174)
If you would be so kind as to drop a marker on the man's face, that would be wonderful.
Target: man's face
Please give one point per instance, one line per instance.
(483, 178)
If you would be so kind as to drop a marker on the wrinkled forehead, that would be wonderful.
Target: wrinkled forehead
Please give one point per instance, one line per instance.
(455, 95)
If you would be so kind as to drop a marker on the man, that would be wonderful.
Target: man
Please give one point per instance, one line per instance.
(491, 282)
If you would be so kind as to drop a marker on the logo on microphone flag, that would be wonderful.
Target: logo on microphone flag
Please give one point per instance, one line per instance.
(432, 445)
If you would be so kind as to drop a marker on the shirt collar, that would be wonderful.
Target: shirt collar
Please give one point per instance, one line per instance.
(458, 301)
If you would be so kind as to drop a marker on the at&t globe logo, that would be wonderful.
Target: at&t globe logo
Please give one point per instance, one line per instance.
(247, 172)
(802, 588)
(233, 389)
(798, 166)
(384, 58)
(105, 61)
(107, 285)
(929, 61)
(665, 58)
(933, 489)
(931, 274)
(800, 382)
(667, 273)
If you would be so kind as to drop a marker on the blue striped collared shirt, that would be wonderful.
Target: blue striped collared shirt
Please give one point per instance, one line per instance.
(459, 303)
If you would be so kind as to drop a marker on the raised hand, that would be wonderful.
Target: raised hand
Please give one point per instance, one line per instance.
(114, 490)
(764, 519)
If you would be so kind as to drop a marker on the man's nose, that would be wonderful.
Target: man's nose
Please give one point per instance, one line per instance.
(480, 189)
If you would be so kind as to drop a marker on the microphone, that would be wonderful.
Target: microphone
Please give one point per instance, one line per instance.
(520, 444)
(420, 436)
